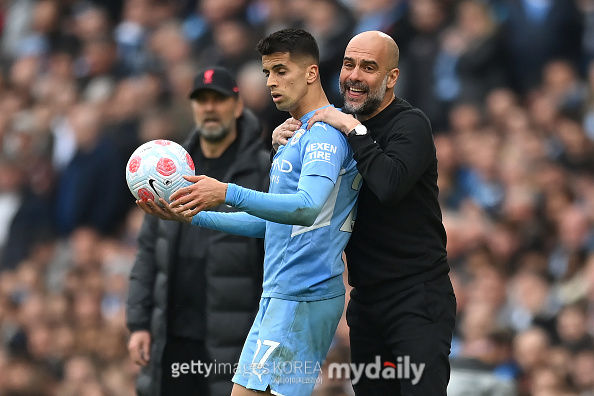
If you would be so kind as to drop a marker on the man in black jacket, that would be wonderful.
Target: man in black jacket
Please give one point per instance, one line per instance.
(194, 292)
(402, 307)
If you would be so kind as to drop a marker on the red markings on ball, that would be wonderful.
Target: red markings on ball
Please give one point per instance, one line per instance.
(162, 142)
(190, 161)
(145, 195)
(166, 167)
(134, 164)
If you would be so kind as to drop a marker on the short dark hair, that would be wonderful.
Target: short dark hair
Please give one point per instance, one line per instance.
(294, 41)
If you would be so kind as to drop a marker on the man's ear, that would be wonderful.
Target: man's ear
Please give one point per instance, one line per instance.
(312, 73)
(393, 77)
(238, 107)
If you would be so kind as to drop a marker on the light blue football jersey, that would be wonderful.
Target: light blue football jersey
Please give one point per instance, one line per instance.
(305, 263)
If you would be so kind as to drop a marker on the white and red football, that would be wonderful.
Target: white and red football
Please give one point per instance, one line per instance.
(156, 169)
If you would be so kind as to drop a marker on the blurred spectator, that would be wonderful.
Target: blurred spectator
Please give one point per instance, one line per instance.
(538, 31)
(17, 22)
(380, 15)
(131, 35)
(475, 371)
(233, 45)
(530, 352)
(531, 302)
(256, 96)
(26, 217)
(572, 328)
(582, 372)
(331, 24)
(88, 189)
(420, 44)
(471, 61)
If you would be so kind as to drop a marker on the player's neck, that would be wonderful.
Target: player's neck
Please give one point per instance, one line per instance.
(216, 149)
(314, 99)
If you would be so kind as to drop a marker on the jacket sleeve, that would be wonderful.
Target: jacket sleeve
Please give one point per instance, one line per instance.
(390, 172)
(140, 300)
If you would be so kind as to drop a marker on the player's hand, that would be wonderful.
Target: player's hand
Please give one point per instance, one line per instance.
(334, 117)
(163, 212)
(139, 347)
(205, 193)
(282, 133)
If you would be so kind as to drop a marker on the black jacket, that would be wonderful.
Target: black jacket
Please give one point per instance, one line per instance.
(229, 277)
(398, 238)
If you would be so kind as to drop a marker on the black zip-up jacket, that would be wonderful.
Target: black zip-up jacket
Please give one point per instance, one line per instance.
(398, 238)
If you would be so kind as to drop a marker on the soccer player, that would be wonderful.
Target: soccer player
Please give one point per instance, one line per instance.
(305, 219)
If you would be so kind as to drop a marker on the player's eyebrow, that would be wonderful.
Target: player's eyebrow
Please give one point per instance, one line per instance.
(277, 66)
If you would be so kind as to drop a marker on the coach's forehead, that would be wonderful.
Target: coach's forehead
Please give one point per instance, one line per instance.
(369, 45)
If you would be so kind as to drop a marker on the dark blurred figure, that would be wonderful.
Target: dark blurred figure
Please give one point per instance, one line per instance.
(26, 216)
(99, 60)
(331, 24)
(89, 187)
(572, 327)
(480, 369)
(476, 48)
(256, 97)
(538, 31)
(234, 43)
(420, 33)
(383, 15)
(199, 26)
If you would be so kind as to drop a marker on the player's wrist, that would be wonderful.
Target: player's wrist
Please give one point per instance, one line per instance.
(230, 193)
(195, 220)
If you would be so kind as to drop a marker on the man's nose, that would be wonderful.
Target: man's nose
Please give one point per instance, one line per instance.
(270, 81)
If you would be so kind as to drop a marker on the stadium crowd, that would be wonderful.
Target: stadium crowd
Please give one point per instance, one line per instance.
(507, 84)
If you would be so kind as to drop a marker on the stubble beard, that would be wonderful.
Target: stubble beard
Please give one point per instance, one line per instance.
(371, 103)
(215, 134)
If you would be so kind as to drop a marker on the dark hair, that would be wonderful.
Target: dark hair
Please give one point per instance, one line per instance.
(294, 41)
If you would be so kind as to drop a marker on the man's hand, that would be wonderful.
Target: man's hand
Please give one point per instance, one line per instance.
(205, 193)
(139, 347)
(284, 131)
(163, 212)
(334, 117)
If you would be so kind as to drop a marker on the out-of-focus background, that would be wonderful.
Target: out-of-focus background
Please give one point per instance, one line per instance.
(509, 88)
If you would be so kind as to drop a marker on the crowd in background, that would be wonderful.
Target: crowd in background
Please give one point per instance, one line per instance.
(507, 84)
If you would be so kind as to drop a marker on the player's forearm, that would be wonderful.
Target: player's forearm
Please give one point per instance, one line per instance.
(238, 223)
(301, 208)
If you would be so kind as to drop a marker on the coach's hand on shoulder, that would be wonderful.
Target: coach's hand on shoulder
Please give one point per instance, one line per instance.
(162, 211)
(334, 117)
(205, 193)
(282, 133)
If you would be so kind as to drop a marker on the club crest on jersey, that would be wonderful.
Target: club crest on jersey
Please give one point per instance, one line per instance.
(297, 136)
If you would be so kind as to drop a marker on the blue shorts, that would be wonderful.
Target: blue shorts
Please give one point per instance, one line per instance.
(287, 345)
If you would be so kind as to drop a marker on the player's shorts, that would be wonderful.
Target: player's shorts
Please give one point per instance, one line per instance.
(287, 345)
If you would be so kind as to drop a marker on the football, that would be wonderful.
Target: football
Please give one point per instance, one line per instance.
(156, 169)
